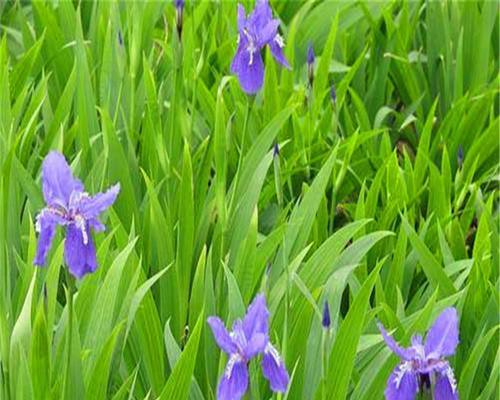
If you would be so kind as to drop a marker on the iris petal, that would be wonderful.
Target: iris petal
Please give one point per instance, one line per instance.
(446, 386)
(256, 319)
(401, 352)
(95, 205)
(58, 181)
(46, 224)
(234, 383)
(249, 69)
(402, 384)
(442, 339)
(276, 47)
(221, 335)
(80, 256)
(274, 370)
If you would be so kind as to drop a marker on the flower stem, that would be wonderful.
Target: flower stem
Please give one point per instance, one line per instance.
(69, 344)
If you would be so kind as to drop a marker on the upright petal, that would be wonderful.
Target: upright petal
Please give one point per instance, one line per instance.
(234, 383)
(442, 338)
(221, 335)
(274, 369)
(267, 33)
(256, 318)
(46, 224)
(80, 256)
(446, 385)
(276, 46)
(402, 384)
(260, 16)
(401, 352)
(95, 205)
(241, 18)
(256, 345)
(57, 180)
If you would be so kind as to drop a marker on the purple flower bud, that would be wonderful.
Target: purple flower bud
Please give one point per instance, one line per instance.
(460, 156)
(326, 321)
(310, 64)
(276, 150)
(179, 11)
(333, 94)
(310, 54)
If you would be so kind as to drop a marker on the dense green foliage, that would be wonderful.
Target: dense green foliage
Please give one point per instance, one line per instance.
(366, 205)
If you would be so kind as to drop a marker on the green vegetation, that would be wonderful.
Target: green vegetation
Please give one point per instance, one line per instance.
(384, 202)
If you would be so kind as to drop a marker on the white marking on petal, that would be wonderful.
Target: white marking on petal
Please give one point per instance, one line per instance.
(270, 349)
(235, 357)
(451, 378)
(402, 369)
(279, 40)
(80, 224)
(251, 49)
(251, 46)
(38, 225)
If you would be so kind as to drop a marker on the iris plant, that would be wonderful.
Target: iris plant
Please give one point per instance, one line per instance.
(255, 32)
(423, 365)
(248, 339)
(68, 205)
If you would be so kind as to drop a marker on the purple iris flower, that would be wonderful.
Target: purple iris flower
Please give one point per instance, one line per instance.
(70, 206)
(255, 32)
(248, 339)
(423, 364)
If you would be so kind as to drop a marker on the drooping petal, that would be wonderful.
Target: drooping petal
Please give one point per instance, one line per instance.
(256, 318)
(402, 383)
(221, 335)
(238, 57)
(274, 369)
(79, 253)
(446, 385)
(58, 181)
(234, 383)
(96, 225)
(401, 352)
(46, 224)
(276, 45)
(249, 68)
(95, 205)
(442, 338)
